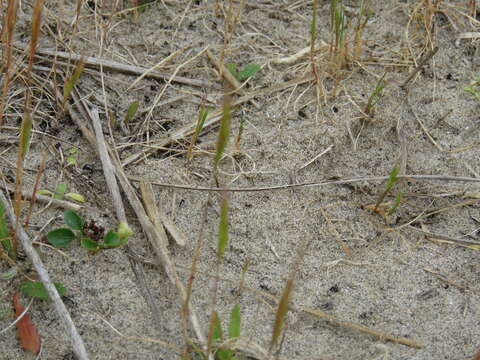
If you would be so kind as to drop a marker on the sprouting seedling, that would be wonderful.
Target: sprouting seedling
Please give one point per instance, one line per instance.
(392, 180)
(248, 70)
(131, 111)
(396, 204)
(202, 117)
(72, 156)
(474, 88)
(72, 80)
(90, 235)
(60, 193)
(375, 95)
(234, 328)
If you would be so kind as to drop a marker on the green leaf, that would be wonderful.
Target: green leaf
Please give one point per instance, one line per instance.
(70, 83)
(124, 231)
(36, 289)
(60, 237)
(5, 238)
(248, 71)
(73, 220)
(9, 275)
(60, 191)
(75, 196)
(89, 244)
(392, 178)
(217, 330)
(398, 199)
(235, 322)
(45, 192)
(72, 157)
(132, 110)
(233, 70)
(223, 228)
(111, 240)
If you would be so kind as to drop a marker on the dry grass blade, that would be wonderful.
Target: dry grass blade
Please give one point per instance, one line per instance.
(284, 302)
(158, 216)
(129, 69)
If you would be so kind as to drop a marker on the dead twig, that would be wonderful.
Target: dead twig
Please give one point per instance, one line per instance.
(125, 68)
(77, 342)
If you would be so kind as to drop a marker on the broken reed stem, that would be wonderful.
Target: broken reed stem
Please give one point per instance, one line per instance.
(76, 340)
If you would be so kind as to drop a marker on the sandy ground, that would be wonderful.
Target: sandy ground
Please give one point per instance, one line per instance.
(398, 282)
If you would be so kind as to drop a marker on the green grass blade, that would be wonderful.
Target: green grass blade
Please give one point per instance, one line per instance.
(223, 227)
(235, 322)
(72, 80)
(131, 111)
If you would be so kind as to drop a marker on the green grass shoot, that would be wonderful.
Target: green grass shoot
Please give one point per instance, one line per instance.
(5, 236)
(338, 26)
(392, 180)
(376, 94)
(72, 80)
(474, 88)
(202, 117)
(223, 227)
(396, 204)
(131, 111)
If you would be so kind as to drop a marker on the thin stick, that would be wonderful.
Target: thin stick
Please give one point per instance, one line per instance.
(315, 183)
(116, 66)
(109, 174)
(149, 229)
(422, 62)
(76, 340)
(45, 199)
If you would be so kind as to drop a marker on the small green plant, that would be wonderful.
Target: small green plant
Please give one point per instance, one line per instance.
(37, 290)
(392, 180)
(375, 96)
(72, 156)
(474, 88)
(131, 111)
(60, 193)
(202, 117)
(90, 235)
(234, 327)
(248, 70)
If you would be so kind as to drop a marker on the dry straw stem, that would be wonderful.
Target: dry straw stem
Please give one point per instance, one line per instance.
(77, 342)
(116, 66)
(148, 227)
(109, 174)
(211, 121)
(46, 199)
(316, 183)
(158, 216)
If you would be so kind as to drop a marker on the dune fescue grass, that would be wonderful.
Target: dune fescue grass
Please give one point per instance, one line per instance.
(9, 22)
(338, 27)
(27, 121)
